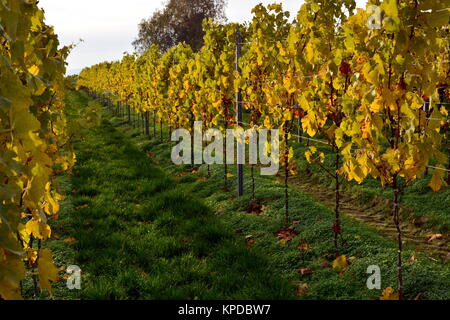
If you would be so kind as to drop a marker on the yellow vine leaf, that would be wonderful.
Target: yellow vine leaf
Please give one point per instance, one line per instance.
(34, 70)
(47, 270)
(38, 229)
(12, 272)
(389, 294)
(437, 181)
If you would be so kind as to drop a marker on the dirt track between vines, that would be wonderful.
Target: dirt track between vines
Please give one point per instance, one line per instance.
(377, 213)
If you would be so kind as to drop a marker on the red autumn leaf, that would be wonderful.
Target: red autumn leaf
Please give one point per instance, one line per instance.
(345, 68)
(336, 228)
(299, 113)
(287, 234)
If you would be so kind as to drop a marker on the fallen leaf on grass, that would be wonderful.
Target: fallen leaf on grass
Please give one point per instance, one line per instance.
(303, 247)
(324, 264)
(389, 294)
(202, 179)
(286, 235)
(151, 155)
(302, 288)
(220, 209)
(304, 271)
(413, 258)
(82, 206)
(70, 240)
(255, 208)
(182, 174)
(432, 237)
(250, 242)
(340, 264)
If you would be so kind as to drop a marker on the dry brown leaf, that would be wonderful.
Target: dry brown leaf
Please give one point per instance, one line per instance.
(432, 237)
(302, 288)
(250, 243)
(340, 264)
(82, 206)
(71, 240)
(303, 247)
(304, 271)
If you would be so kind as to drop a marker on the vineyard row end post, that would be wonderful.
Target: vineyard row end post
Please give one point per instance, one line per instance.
(240, 167)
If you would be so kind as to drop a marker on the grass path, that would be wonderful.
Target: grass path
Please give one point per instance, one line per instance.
(138, 235)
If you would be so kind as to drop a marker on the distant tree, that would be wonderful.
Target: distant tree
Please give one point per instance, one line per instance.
(179, 21)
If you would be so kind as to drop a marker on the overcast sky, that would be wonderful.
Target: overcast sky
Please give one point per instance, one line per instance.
(108, 27)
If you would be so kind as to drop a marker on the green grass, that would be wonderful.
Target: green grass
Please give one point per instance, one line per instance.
(363, 243)
(141, 235)
(149, 232)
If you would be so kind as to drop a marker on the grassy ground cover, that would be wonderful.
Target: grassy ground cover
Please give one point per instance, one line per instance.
(143, 228)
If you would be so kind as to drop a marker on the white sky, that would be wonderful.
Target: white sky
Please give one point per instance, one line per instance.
(108, 27)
